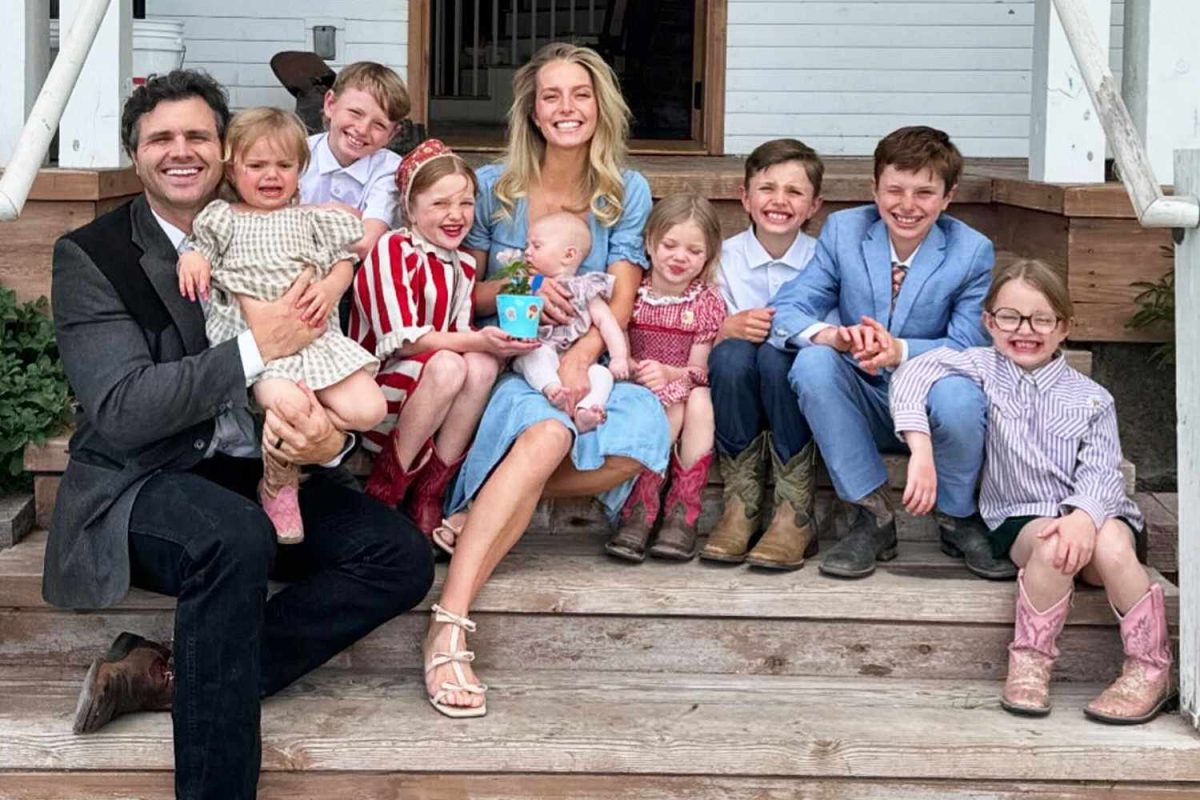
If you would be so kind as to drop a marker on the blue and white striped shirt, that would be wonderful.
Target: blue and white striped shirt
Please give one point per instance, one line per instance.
(1052, 442)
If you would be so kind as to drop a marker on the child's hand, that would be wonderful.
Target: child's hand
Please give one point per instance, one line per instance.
(619, 367)
(317, 301)
(836, 336)
(495, 341)
(195, 275)
(1076, 539)
(753, 325)
(653, 374)
(920, 490)
(875, 348)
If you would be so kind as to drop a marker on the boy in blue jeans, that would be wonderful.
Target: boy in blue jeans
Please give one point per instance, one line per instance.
(755, 406)
(904, 278)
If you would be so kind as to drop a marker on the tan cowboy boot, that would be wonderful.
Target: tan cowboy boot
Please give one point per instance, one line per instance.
(1144, 687)
(745, 478)
(676, 539)
(1032, 653)
(792, 536)
(135, 675)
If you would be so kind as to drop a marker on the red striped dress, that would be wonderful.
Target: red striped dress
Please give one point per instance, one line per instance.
(406, 288)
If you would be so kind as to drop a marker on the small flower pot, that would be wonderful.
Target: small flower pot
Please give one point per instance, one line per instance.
(519, 314)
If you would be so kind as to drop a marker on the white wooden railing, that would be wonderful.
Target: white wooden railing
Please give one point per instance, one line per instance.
(1182, 212)
(578, 18)
(47, 110)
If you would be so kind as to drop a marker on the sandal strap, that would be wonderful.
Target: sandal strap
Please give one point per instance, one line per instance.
(442, 615)
(440, 658)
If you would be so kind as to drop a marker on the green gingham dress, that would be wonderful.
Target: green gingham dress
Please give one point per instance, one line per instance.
(260, 254)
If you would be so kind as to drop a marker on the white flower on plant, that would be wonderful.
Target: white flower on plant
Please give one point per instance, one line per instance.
(508, 256)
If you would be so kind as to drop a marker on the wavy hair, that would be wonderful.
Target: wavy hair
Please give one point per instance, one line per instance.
(602, 182)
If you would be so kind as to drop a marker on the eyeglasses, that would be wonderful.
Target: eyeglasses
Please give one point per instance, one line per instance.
(1010, 320)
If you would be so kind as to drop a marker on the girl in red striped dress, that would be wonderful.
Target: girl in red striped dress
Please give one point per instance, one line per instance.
(412, 309)
(675, 320)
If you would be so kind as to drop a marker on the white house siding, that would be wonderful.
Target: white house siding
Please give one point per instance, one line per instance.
(235, 39)
(840, 74)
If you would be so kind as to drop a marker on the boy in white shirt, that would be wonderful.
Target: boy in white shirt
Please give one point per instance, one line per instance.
(755, 406)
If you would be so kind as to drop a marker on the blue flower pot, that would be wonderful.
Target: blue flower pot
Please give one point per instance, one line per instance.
(519, 314)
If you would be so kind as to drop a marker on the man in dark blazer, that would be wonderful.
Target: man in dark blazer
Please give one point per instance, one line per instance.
(164, 463)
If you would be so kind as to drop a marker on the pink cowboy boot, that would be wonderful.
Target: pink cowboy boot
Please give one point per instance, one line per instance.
(1031, 654)
(1144, 687)
(389, 482)
(637, 518)
(676, 540)
(428, 492)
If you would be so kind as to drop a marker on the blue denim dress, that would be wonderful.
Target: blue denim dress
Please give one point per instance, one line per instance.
(636, 426)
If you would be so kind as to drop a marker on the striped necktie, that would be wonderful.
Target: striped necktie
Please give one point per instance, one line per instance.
(899, 271)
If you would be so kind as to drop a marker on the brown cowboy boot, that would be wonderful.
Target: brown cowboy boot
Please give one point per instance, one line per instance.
(676, 540)
(389, 482)
(791, 537)
(1144, 686)
(637, 518)
(427, 493)
(135, 675)
(1032, 653)
(745, 477)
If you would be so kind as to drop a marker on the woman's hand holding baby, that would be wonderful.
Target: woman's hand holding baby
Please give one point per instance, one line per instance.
(557, 309)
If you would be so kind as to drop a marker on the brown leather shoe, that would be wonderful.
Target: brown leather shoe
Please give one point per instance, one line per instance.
(791, 537)
(135, 675)
(744, 477)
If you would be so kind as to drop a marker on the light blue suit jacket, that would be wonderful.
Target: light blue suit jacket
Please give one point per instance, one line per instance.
(940, 302)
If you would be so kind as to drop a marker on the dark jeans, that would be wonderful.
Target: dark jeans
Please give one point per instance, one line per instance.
(751, 393)
(200, 537)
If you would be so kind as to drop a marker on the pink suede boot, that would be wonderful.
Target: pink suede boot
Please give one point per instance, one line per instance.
(428, 492)
(1031, 654)
(637, 518)
(389, 482)
(279, 494)
(1144, 687)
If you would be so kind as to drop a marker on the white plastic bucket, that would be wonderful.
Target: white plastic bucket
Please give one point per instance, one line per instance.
(158, 46)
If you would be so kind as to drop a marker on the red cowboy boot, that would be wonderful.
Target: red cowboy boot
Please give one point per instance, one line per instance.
(427, 494)
(637, 518)
(676, 539)
(389, 482)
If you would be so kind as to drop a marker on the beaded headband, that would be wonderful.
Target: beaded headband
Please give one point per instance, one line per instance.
(416, 158)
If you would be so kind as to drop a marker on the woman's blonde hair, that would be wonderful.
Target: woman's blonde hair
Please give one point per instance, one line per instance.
(683, 207)
(1040, 276)
(253, 124)
(602, 183)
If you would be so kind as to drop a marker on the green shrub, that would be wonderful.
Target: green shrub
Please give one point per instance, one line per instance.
(34, 398)
(1156, 303)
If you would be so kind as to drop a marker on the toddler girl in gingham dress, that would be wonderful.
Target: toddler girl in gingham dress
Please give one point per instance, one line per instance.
(676, 318)
(258, 247)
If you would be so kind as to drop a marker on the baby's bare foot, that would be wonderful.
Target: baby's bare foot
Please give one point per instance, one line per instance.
(558, 396)
(588, 419)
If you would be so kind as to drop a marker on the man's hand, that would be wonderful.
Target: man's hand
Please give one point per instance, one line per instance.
(920, 490)
(303, 435)
(276, 325)
(875, 348)
(557, 309)
(1076, 539)
(753, 325)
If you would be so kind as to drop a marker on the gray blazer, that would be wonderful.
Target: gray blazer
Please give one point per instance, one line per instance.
(149, 389)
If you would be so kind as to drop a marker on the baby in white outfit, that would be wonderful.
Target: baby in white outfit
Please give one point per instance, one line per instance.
(557, 245)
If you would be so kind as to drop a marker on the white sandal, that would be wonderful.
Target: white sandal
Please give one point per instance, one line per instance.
(439, 535)
(454, 658)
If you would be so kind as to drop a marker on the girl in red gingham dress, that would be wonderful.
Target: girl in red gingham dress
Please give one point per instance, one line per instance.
(412, 309)
(677, 316)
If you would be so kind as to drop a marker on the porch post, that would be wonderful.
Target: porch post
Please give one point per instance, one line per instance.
(1160, 80)
(25, 59)
(1187, 393)
(1066, 140)
(90, 132)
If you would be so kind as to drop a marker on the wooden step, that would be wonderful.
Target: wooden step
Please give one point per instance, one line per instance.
(575, 722)
(556, 603)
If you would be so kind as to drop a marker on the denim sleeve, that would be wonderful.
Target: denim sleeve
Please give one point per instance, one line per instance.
(625, 242)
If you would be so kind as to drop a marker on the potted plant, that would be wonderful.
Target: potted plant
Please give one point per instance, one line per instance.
(518, 308)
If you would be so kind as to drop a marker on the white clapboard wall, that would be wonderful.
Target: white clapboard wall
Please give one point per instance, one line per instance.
(235, 39)
(840, 74)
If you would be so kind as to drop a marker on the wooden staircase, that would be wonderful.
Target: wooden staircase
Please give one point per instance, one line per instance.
(618, 681)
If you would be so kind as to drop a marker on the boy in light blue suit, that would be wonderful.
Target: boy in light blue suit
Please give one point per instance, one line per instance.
(903, 279)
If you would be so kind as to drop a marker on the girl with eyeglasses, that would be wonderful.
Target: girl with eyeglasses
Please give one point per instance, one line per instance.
(1052, 493)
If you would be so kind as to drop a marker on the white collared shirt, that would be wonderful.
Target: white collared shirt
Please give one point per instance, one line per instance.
(369, 184)
(748, 276)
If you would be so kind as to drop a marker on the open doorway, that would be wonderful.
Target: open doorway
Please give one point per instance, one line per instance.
(663, 51)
